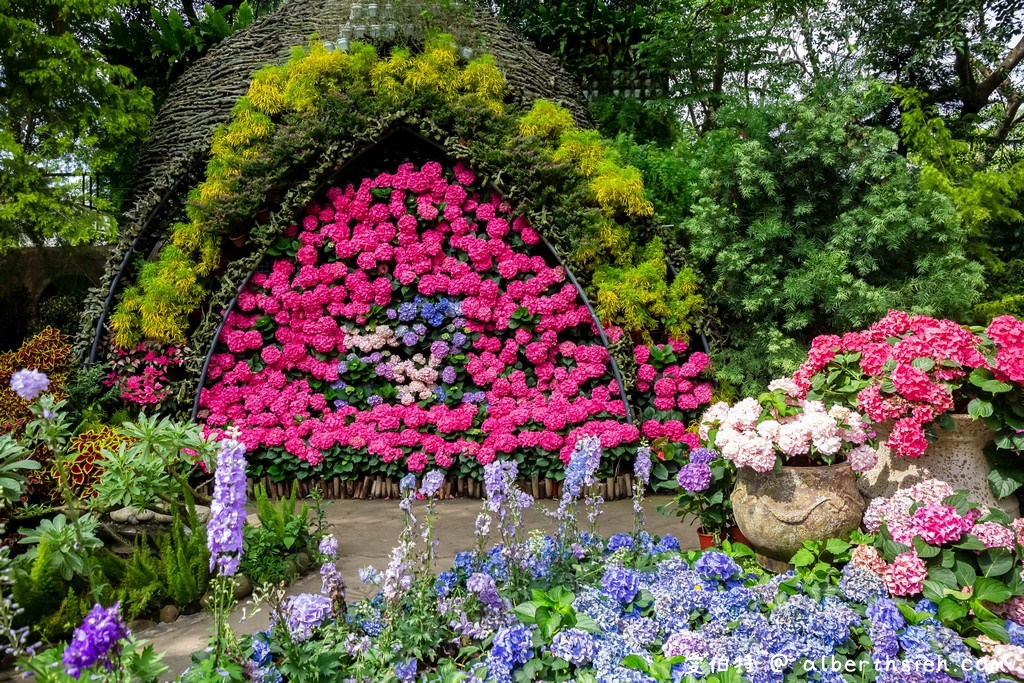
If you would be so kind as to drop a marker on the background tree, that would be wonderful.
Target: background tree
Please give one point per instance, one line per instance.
(63, 108)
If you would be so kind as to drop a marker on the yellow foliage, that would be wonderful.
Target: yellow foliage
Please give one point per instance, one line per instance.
(546, 120)
(266, 92)
(484, 79)
(388, 76)
(621, 188)
(639, 299)
(584, 148)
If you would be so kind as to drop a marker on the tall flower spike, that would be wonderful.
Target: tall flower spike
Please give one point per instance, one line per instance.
(227, 511)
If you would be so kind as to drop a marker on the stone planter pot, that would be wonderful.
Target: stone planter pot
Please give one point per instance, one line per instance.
(958, 458)
(777, 511)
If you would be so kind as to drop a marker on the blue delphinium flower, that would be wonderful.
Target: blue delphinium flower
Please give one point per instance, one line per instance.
(407, 483)
(483, 586)
(97, 640)
(432, 482)
(28, 384)
(574, 646)
(406, 671)
(620, 584)
(713, 564)
(261, 649)
(224, 534)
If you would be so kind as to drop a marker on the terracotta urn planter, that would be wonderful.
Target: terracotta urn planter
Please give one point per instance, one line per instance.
(777, 511)
(957, 457)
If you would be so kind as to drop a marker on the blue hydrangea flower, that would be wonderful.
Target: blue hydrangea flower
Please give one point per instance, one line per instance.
(703, 456)
(620, 584)
(713, 564)
(305, 612)
(574, 646)
(512, 645)
(620, 541)
(862, 585)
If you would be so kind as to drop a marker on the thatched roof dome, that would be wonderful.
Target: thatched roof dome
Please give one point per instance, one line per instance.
(204, 95)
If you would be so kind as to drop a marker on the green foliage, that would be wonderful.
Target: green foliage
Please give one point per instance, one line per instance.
(988, 193)
(286, 520)
(140, 587)
(805, 221)
(65, 550)
(65, 108)
(185, 561)
(152, 463)
(13, 464)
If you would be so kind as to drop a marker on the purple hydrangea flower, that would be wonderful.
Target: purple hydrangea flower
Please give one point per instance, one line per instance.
(98, 639)
(715, 564)
(694, 477)
(28, 384)
(621, 584)
(439, 349)
(448, 375)
(703, 456)
(458, 340)
(374, 400)
(227, 511)
(410, 338)
(420, 329)
(574, 645)
(305, 612)
(642, 465)
(406, 311)
(391, 313)
(432, 482)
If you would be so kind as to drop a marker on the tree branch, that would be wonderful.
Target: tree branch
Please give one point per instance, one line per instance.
(988, 86)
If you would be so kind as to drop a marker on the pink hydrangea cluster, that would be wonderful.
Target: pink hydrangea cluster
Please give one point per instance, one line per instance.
(669, 390)
(919, 510)
(412, 323)
(916, 366)
(906, 574)
(756, 434)
(139, 374)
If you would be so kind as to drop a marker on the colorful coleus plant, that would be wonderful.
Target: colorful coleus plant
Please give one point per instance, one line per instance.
(414, 319)
(140, 375)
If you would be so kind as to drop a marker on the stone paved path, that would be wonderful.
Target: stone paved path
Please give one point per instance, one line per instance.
(367, 530)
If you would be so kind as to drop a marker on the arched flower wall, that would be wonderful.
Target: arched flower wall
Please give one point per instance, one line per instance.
(409, 320)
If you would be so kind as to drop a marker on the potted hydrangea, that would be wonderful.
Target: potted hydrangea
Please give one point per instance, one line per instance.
(796, 462)
(704, 483)
(911, 374)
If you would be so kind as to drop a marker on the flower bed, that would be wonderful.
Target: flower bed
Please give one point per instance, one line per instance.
(410, 323)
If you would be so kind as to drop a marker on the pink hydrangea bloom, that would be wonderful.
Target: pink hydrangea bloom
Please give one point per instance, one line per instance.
(906, 575)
